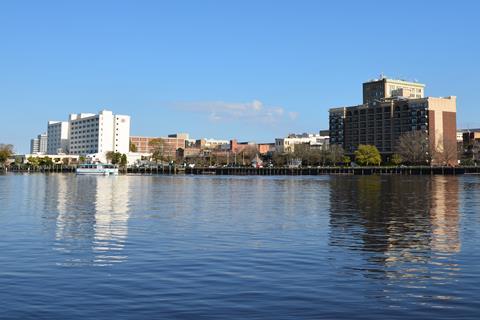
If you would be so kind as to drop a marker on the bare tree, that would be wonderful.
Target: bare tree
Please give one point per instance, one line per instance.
(157, 146)
(336, 153)
(414, 147)
(446, 154)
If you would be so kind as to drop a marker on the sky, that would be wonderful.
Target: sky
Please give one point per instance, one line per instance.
(251, 70)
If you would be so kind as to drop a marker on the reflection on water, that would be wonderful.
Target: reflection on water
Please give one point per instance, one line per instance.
(444, 215)
(403, 227)
(211, 247)
(92, 218)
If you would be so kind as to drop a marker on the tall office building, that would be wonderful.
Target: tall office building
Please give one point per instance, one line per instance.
(34, 146)
(99, 133)
(39, 144)
(58, 132)
(391, 108)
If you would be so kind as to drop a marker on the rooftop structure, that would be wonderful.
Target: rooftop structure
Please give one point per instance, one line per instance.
(383, 88)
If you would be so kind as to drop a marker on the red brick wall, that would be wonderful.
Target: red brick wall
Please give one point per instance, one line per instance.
(450, 131)
(431, 129)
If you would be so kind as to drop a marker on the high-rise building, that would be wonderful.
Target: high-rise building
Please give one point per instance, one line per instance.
(386, 114)
(99, 133)
(39, 144)
(58, 133)
(34, 146)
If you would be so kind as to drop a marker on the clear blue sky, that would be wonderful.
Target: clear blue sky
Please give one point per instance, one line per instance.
(254, 70)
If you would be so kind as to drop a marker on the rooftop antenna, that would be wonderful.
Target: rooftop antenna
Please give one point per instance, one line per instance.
(382, 76)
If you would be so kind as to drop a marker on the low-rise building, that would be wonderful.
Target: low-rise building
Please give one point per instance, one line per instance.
(287, 145)
(167, 146)
(266, 148)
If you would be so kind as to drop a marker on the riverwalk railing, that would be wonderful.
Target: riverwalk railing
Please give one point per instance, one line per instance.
(417, 170)
(272, 171)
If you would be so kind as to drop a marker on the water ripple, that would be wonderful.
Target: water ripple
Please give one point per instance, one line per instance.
(132, 247)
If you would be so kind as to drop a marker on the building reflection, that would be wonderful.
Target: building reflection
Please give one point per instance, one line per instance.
(91, 218)
(394, 216)
(401, 226)
(111, 219)
(444, 215)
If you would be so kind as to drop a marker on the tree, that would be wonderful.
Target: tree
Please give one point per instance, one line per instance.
(396, 159)
(446, 154)
(157, 149)
(367, 155)
(33, 161)
(113, 157)
(248, 154)
(123, 161)
(336, 153)
(346, 160)
(133, 147)
(109, 156)
(45, 162)
(279, 159)
(82, 159)
(6, 151)
(302, 152)
(414, 147)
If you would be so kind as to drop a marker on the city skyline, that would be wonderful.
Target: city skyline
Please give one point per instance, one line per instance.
(252, 71)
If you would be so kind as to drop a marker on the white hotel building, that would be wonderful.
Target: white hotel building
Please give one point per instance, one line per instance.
(57, 141)
(97, 134)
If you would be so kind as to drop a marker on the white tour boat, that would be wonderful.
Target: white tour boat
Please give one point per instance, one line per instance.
(97, 169)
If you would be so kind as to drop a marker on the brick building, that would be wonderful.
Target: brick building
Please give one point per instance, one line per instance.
(387, 113)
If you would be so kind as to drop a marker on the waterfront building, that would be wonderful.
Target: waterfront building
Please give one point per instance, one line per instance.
(168, 146)
(143, 144)
(390, 110)
(58, 137)
(97, 134)
(211, 144)
(216, 144)
(39, 144)
(287, 145)
(471, 144)
(238, 147)
(266, 148)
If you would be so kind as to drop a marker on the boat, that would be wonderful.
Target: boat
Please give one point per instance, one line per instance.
(97, 169)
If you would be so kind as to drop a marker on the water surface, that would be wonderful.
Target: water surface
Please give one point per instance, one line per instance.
(207, 247)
